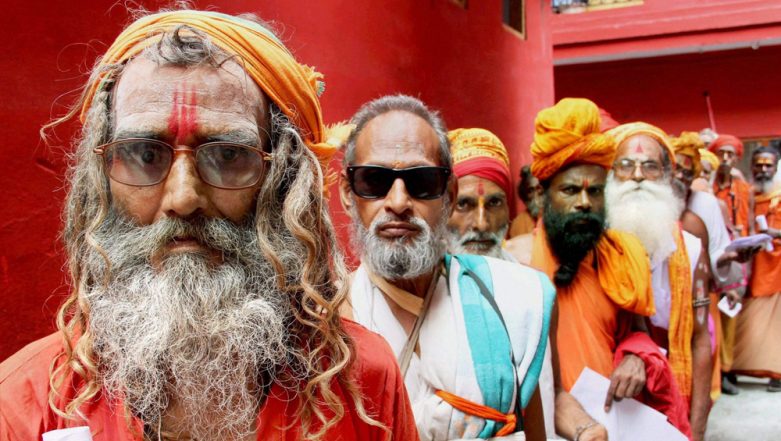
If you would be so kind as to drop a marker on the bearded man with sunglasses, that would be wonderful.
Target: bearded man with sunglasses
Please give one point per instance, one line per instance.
(205, 285)
(469, 331)
(640, 187)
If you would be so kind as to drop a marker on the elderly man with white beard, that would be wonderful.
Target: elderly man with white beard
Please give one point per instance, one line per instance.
(205, 285)
(641, 200)
(469, 331)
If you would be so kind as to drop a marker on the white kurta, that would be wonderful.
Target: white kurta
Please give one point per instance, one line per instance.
(706, 207)
(445, 361)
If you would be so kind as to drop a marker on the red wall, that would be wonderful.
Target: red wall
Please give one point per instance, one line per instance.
(463, 62)
(668, 91)
(665, 27)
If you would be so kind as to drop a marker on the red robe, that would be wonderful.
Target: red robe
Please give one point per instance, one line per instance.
(25, 414)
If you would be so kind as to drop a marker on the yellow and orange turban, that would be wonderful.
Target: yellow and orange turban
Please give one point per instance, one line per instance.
(481, 153)
(569, 133)
(292, 86)
(724, 140)
(689, 144)
(709, 156)
(625, 131)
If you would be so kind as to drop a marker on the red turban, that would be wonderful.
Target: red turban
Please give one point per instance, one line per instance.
(481, 153)
(724, 140)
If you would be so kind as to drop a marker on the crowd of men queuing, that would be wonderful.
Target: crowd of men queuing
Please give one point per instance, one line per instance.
(209, 299)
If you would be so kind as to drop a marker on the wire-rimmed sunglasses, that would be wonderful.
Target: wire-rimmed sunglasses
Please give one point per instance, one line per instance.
(374, 181)
(145, 162)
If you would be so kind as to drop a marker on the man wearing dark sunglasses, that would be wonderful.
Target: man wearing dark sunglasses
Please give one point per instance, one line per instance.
(469, 332)
(205, 285)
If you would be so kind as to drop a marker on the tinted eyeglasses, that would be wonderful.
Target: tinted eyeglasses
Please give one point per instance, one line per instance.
(144, 162)
(374, 181)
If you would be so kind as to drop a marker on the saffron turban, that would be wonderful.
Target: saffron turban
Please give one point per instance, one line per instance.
(709, 156)
(481, 153)
(625, 131)
(724, 140)
(291, 86)
(569, 133)
(689, 144)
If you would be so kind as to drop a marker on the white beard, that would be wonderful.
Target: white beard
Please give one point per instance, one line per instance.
(457, 244)
(200, 337)
(400, 259)
(647, 209)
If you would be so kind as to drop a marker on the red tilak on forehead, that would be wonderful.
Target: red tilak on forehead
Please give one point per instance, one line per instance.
(585, 183)
(182, 122)
(480, 189)
(638, 147)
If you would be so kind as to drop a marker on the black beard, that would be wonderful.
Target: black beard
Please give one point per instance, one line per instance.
(571, 236)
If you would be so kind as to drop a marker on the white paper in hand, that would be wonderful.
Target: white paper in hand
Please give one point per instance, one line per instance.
(71, 434)
(729, 312)
(628, 419)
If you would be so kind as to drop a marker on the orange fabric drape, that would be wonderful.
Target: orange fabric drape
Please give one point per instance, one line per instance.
(593, 309)
(766, 274)
(481, 411)
(741, 191)
(292, 86)
(681, 317)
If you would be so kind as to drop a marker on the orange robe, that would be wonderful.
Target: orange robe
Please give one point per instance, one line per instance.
(25, 414)
(522, 224)
(737, 197)
(766, 273)
(595, 310)
(758, 330)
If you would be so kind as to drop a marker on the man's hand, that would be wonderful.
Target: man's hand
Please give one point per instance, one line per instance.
(627, 380)
(741, 255)
(594, 433)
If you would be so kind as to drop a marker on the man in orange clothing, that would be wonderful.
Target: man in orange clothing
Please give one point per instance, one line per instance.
(202, 305)
(739, 199)
(602, 276)
(640, 187)
(758, 332)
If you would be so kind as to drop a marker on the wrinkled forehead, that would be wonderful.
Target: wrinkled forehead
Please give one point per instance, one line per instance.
(147, 94)
(476, 186)
(586, 175)
(397, 139)
(640, 147)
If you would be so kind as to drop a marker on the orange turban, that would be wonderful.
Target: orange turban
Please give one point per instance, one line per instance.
(568, 133)
(481, 153)
(292, 86)
(689, 144)
(724, 140)
(624, 131)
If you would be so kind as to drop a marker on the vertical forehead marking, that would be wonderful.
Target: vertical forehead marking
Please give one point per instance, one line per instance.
(182, 121)
(585, 183)
(480, 189)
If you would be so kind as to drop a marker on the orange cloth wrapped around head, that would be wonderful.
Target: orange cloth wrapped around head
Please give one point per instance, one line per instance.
(481, 153)
(689, 144)
(723, 140)
(625, 131)
(568, 133)
(290, 85)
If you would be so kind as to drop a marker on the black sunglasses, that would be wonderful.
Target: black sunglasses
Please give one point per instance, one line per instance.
(374, 181)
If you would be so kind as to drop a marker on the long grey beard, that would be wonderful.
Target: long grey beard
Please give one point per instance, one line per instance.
(402, 259)
(199, 337)
(649, 210)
